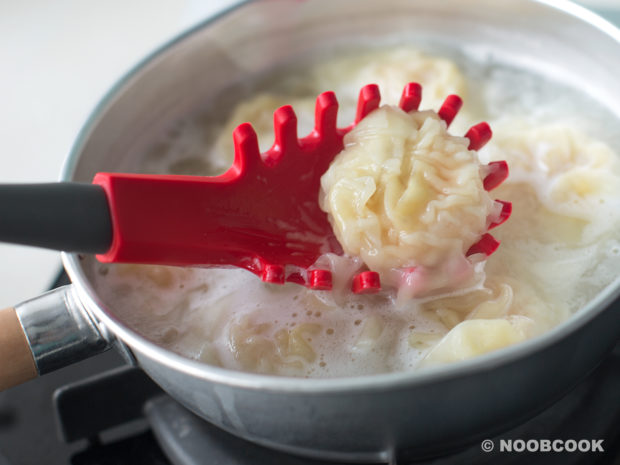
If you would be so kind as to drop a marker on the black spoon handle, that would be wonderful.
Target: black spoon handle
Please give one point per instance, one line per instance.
(66, 216)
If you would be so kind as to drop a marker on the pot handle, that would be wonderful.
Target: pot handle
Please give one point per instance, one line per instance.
(15, 356)
(46, 333)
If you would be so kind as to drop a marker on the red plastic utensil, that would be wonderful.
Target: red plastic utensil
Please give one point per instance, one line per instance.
(263, 214)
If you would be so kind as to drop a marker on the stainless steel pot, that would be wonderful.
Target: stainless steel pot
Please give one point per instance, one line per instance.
(355, 419)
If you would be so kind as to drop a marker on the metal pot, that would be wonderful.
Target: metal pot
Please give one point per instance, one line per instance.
(356, 419)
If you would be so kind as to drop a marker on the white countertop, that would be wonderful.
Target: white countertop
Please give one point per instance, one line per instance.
(57, 59)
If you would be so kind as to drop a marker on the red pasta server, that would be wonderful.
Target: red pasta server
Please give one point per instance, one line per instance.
(263, 214)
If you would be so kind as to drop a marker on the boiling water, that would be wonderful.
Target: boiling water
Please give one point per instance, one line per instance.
(560, 248)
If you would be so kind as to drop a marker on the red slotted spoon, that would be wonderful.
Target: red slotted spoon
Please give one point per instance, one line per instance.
(263, 214)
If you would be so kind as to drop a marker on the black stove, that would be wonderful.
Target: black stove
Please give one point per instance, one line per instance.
(103, 412)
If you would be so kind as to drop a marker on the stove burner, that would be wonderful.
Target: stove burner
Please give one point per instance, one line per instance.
(89, 407)
(187, 440)
(140, 449)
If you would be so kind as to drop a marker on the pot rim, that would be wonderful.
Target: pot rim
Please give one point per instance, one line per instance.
(246, 380)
